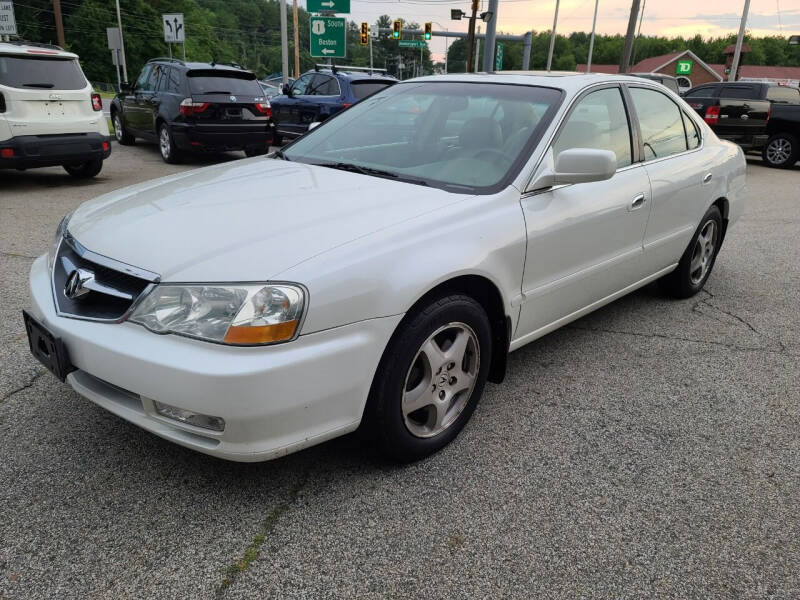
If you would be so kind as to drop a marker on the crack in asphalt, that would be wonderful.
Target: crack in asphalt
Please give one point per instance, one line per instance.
(16, 255)
(23, 387)
(253, 550)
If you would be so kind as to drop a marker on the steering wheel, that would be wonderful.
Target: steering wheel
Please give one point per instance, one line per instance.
(494, 155)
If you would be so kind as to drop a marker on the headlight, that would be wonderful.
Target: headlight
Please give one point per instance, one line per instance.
(238, 314)
(60, 231)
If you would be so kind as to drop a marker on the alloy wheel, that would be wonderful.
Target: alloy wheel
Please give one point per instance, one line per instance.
(779, 150)
(164, 142)
(703, 253)
(118, 128)
(440, 380)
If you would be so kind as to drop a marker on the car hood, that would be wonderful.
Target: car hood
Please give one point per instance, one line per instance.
(244, 221)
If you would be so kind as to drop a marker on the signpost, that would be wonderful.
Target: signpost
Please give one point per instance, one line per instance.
(683, 67)
(328, 37)
(115, 45)
(174, 31)
(8, 24)
(331, 6)
(498, 61)
(411, 44)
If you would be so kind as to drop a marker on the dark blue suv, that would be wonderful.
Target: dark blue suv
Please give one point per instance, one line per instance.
(321, 93)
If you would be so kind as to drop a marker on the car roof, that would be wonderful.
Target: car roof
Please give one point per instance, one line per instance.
(199, 65)
(354, 75)
(569, 81)
(33, 48)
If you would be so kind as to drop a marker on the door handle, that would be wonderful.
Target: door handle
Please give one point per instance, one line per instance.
(707, 178)
(637, 202)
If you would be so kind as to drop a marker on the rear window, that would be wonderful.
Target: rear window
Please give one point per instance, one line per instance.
(224, 82)
(42, 73)
(362, 89)
(778, 93)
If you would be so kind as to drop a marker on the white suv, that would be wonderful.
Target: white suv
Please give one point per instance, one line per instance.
(48, 113)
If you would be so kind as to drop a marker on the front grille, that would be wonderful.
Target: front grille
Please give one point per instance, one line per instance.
(98, 304)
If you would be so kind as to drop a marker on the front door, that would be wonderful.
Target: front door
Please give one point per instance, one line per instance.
(288, 115)
(584, 240)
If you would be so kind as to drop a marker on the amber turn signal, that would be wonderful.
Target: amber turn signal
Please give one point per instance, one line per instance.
(261, 334)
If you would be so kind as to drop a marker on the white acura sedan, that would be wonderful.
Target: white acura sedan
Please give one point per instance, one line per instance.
(403, 249)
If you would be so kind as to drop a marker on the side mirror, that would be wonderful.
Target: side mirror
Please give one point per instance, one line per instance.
(126, 88)
(579, 165)
(287, 90)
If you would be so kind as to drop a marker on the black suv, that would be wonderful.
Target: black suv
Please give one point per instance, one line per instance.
(188, 106)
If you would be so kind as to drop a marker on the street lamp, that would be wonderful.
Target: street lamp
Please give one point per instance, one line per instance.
(446, 44)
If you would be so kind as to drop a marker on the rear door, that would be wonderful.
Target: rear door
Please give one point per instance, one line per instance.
(231, 100)
(323, 99)
(741, 114)
(46, 94)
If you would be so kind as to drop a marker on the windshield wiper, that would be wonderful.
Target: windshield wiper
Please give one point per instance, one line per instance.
(343, 166)
(281, 155)
(39, 85)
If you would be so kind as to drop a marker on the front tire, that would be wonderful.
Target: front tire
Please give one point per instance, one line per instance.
(698, 259)
(782, 150)
(85, 170)
(166, 145)
(430, 378)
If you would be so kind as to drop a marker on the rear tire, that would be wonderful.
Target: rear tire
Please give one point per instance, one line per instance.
(782, 150)
(430, 378)
(698, 259)
(122, 136)
(85, 170)
(166, 145)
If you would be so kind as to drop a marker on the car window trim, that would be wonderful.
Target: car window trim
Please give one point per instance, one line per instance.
(681, 109)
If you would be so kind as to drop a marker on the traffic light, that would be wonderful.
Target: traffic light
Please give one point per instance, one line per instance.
(365, 34)
(428, 31)
(397, 29)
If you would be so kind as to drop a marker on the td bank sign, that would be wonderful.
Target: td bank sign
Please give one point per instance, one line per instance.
(683, 67)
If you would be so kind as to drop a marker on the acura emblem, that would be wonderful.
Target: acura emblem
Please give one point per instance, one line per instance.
(233, 98)
(78, 283)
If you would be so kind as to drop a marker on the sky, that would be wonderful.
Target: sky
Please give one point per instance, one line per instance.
(709, 18)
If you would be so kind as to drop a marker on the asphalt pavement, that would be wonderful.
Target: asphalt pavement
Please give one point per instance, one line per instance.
(649, 450)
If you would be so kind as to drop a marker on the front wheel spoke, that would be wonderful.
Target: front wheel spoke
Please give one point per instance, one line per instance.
(417, 398)
(456, 351)
(463, 383)
(697, 261)
(434, 355)
(440, 413)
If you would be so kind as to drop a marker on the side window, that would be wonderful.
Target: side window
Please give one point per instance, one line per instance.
(173, 85)
(144, 76)
(692, 132)
(598, 121)
(161, 74)
(299, 88)
(783, 94)
(661, 123)
(702, 92)
(324, 85)
(738, 91)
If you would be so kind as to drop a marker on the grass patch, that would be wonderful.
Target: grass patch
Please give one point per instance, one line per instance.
(253, 550)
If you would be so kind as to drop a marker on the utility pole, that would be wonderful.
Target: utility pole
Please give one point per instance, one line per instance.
(59, 22)
(626, 52)
(490, 43)
(122, 43)
(638, 32)
(477, 50)
(471, 36)
(552, 38)
(370, 52)
(296, 41)
(591, 40)
(284, 44)
(737, 53)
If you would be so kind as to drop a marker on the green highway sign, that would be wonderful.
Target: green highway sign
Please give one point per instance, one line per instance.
(683, 67)
(333, 6)
(498, 61)
(412, 44)
(328, 37)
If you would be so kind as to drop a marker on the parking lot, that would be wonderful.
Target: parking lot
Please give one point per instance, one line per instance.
(648, 450)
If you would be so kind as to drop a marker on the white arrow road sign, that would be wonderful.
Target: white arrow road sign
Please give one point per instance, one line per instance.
(327, 51)
(329, 4)
(173, 28)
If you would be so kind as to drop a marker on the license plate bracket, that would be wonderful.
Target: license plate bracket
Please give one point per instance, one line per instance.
(47, 348)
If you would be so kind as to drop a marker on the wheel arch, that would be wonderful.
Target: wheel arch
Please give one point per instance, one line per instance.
(724, 207)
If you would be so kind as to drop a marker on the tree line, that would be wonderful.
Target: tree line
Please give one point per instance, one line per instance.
(248, 33)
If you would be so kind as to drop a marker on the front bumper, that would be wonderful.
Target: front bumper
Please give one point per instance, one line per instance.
(275, 399)
(32, 151)
(221, 137)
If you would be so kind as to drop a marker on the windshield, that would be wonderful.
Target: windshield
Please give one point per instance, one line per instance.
(222, 82)
(42, 73)
(444, 134)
